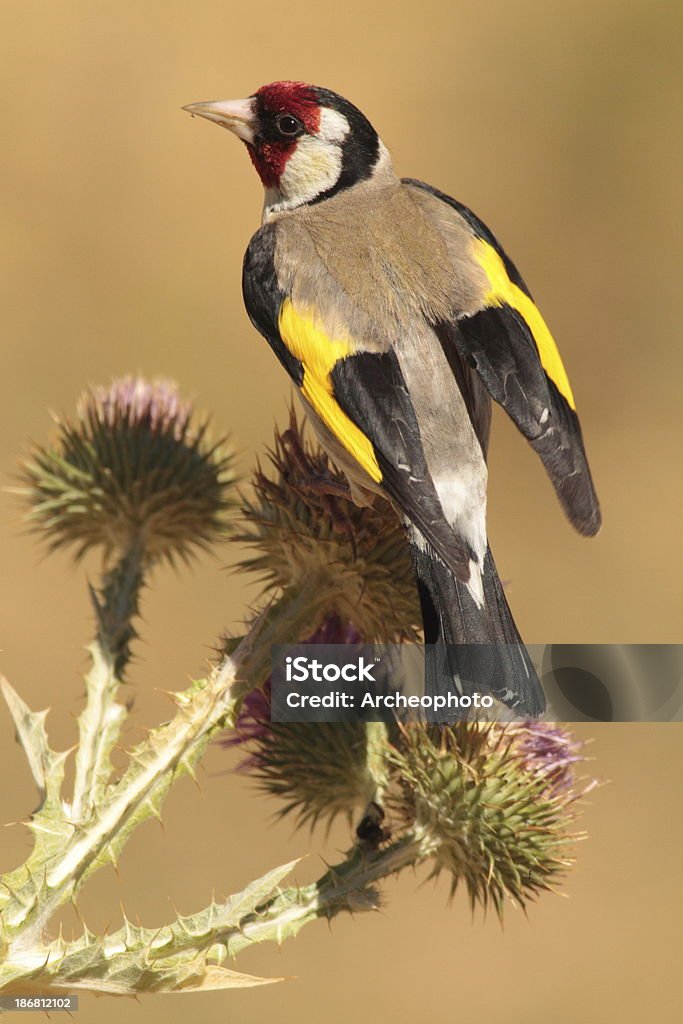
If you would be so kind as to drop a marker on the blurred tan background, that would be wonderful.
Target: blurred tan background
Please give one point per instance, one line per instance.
(123, 225)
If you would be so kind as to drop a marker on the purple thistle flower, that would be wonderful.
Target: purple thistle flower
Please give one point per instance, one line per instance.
(547, 752)
(136, 401)
(136, 467)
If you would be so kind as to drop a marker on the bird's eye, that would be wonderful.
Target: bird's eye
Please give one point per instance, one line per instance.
(288, 125)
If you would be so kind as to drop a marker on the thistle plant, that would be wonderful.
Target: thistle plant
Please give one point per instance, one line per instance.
(307, 538)
(316, 769)
(136, 476)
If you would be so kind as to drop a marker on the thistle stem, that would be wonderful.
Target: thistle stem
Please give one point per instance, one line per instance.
(346, 886)
(159, 958)
(169, 751)
(100, 721)
(376, 746)
(118, 606)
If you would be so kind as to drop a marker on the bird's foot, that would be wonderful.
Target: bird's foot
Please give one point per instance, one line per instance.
(370, 832)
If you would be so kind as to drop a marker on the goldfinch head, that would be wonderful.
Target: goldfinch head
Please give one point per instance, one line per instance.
(306, 143)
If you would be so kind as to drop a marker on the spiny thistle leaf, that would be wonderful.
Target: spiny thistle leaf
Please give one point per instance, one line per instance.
(489, 804)
(65, 855)
(47, 766)
(133, 466)
(169, 751)
(184, 955)
(49, 824)
(301, 523)
(99, 727)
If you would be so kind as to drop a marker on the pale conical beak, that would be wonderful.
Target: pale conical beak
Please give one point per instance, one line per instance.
(236, 115)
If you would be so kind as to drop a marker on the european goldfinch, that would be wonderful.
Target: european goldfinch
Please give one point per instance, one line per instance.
(399, 317)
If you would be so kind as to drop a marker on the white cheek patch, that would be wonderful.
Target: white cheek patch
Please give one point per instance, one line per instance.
(383, 164)
(333, 126)
(313, 168)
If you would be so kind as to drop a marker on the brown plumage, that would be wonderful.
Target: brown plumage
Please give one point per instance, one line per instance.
(327, 257)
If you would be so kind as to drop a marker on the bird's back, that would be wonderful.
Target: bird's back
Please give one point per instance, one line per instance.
(378, 261)
(378, 267)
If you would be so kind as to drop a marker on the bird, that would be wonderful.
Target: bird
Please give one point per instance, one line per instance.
(400, 319)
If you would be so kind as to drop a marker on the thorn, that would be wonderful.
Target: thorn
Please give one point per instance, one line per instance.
(174, 908)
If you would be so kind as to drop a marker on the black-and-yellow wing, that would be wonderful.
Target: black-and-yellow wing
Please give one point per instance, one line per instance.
(360, 397)
(509, 345)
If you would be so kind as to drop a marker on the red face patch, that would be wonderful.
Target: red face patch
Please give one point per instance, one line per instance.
(271, 150)
(270, 160)
(293, 98)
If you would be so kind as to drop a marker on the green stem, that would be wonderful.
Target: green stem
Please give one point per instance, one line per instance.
(100, 722)
(136, 959)
(117, 606)
(345, 887)
(377, 742)
(168, 752)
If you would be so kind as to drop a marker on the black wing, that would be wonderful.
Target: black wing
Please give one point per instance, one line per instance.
(371, 390)
(510, 347)
(263, 298)
(363, 402)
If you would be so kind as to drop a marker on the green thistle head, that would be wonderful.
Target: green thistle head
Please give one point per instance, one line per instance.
(302, 524)
(493, 803)
(135, 468)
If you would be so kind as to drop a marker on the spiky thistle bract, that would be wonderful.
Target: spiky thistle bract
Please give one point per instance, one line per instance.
(317, 770)
(300, 523)
(135, 466)
(494, 803)
(489, 804)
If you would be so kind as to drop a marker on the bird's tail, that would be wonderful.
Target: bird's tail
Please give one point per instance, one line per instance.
(494, 660)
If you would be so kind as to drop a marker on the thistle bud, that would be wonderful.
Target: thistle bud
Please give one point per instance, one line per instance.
(493, 803)
(319, 769)
(302, 523)
(135, 467)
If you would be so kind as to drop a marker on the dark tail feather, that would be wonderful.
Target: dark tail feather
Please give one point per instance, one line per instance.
(495, 661)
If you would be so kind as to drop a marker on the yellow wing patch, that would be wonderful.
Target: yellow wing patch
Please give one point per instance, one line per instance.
(503, 290)
(318, 353)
